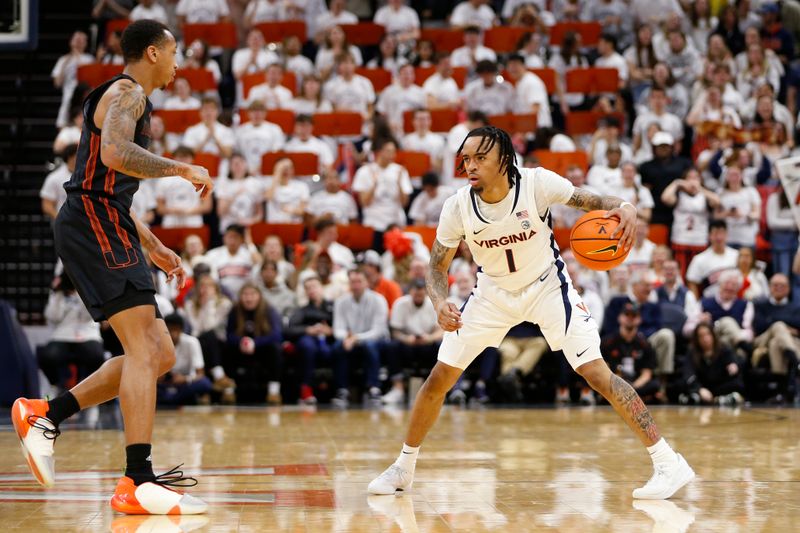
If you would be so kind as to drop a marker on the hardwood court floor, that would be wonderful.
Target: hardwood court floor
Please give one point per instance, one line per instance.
(480, 470)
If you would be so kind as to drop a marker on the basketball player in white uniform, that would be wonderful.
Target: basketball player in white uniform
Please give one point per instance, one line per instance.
(503, 214)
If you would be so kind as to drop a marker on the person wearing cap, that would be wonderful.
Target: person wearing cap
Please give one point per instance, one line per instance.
(656, 114)
(629, 354)
(530, 93)
(486, 93)
(659, 172)
(256, 137)
(416, 334)
(473, 51)
(370, 263)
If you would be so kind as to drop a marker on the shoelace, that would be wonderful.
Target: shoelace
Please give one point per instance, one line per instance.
(175, 478)
(48, 433)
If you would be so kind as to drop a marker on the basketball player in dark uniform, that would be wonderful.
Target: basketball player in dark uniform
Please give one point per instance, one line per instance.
(102, 247)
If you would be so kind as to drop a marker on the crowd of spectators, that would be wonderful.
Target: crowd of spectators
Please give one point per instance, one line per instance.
(706, 103)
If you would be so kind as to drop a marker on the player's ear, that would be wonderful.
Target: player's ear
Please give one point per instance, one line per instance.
(152, 53)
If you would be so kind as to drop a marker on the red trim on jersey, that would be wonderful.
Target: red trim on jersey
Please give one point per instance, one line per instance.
(113, 215)
(102, 240)
(91, 164)
(111, 176)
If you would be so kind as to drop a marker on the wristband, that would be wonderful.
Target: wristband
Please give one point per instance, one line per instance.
(623, 204)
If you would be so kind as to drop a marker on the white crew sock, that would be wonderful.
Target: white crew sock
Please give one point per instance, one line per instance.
(217, 373)
(661, 453)
(408, 458)
(274, 388)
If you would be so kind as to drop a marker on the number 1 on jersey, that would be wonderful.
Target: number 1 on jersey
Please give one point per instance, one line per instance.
(510, 258)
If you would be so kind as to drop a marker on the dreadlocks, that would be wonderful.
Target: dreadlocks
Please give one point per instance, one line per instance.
(490, 136)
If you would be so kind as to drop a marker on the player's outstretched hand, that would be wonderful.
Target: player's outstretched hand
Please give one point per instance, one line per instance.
(449, 316)
(169, 262)
(626, 230)
(200, 179)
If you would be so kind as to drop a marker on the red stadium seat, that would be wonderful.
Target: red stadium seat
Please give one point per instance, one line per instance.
(282, 117)
(427, 233)
(249, 81)
(503, 39)
(548, 77)
(356, 237)
(442, 120)
(416, 163)
(460, 75)
(178, 120)
(116, 25)
(209, 161)
(514, 123)
(559, 161)
(276, 32)
(443, 39)
(338, 123)
(423, 73)
(589, 32)
(305, 163)
(659, 234)
(364, 33)
(592, 80)
(200, 79)
(585, 122)
(96, 73)
(175, 237)
(380, 78)
(290, 234)
(219, 34)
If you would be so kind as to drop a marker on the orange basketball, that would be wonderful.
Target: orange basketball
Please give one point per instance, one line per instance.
(591, 242)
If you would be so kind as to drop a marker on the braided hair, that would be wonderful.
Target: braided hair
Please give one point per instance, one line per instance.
(491, 135)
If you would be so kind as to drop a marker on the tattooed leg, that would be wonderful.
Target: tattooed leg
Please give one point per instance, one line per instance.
(623, 398)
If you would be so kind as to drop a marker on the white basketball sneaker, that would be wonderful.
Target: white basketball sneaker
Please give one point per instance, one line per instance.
(394, 479)
(666, 515)
(666, 481)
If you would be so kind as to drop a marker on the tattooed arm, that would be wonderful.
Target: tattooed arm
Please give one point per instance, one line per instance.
(436, 281)
(587, 201)
(118, 111)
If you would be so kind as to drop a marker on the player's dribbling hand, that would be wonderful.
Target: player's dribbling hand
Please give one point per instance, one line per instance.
(449, 316)
(626, 230)
(199, 177)
(169, 262)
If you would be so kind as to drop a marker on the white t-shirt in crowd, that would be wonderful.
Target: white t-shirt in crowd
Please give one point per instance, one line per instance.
(326, 57)
(327, 20)
(614, 61)
(464, 14)
(445, 90)
(232, 270)
(604, 179)
(496, 99)
(399, 21)
(278, 97)
(707, 266)
(600, 148)
(385, 208)
(202, 11)
(199, 133)
(430, 143)
(68, 135)
(340, 205)
(154, 12)
(314, 145)
(464, 56)
(244, 194)
(690, 220)
(299, 64)
(188, 357)
(289, 195)
(741, 230)
(53, 186)
(395, 100)
(176, 103)
(254, 141)
(304, 106)
(428, 209)
(265, 11)
(528, 91)
(639, 258)
(264, 58)
(639, 196)
(412, 320)
(70, 319)
(455, 137)
(144, 200)
(178, 193)
(354, 95)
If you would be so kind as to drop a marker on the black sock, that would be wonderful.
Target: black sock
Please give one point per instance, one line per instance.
(61, 408)
(139, 466)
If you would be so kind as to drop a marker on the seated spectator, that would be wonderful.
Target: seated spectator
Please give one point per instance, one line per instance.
(422, 139)
(389, 57)
(332, 48)
(360, 327)
(605, 136)
(349, 91)
(371, 265)
(201, 12)
(383, 189)
(754, 285)
(691, 203)
(271, 92)
(427, 206)
(441, 90)
(233, 261)
(705, 268)
(678, 98)
(193, 254)
(740, 207)
(258, 11)
(667, 122)
(641, 254)
(110, 53)
(177, 200)
(641, 58)
(185, 383)
(777, 323)
(629, 354)
(332, 201)
(71, 133)
(181, 98)
(257, 136)
(286, 195)
(144, 202)
(568, 57)
(65, 73)
(149, 10)
(610, 58)
(532, 17)
(400, 21)
(310, 329)
(711, 374)
(462, 287)
(403, 95)
(673, 291)
(606, 177)
(520, 352)
(682, 59)
(52, 192)
(309, 99)
(198, 55)
(239, 198)
(473, 51)
(210, 136)
(486, 94)
(730, 316)
(782, 230)
(303, 140)
(658, 173)
(773, 138)
(294, 60)
(710, 108)
(530, 93)
(756, 70)
(250, 60)
(781, 112)
(279, 296)
(424, 54)
(327, 241)
(632, 192)
(320, 265)
(335, 16)
(416, 335)
(473, 13)
(273, 250)
(531, 48)
(615, 17)
(456, 135)
(160, 142)
(75, 338)
(253, 354)
(402, 248)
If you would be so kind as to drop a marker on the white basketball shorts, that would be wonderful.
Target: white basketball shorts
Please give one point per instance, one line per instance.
(550, 302)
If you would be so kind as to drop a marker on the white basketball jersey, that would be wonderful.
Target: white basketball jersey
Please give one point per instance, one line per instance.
(516, 250)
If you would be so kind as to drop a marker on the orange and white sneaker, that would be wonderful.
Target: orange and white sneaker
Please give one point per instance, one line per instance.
(156, 497)
(37, 434)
